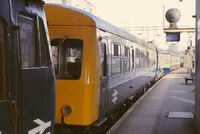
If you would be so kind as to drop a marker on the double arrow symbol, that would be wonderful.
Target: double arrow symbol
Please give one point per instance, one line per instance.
(41, 128)
(115, 96)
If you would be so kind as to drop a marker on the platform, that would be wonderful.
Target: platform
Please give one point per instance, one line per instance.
(168, 108)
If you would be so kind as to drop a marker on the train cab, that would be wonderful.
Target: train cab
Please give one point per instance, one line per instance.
(27, 79)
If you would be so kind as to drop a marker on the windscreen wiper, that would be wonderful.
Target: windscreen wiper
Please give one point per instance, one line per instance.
(59, 44)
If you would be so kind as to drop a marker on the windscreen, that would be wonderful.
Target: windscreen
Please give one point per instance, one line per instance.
(67, 58)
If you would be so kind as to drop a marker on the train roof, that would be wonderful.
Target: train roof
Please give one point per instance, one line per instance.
(105, 26)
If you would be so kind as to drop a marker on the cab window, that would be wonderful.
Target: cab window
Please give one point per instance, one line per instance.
(3, 63)
(45, 59)
(27, 36)
(67, 58)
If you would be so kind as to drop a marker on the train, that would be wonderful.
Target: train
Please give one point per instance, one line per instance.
(27, 77)
(99, 67)
(168, 61)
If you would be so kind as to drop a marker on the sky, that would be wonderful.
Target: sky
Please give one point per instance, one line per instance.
(147, 13)
(136, 13)
(144, 13)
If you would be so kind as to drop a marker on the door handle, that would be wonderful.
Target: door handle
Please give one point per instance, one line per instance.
(13, 105)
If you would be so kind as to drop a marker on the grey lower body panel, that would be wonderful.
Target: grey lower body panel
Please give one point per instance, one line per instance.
(111, 98)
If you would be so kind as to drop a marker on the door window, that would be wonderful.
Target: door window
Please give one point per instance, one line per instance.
(103, 59)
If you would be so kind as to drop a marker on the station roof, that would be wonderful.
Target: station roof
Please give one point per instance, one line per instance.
(178, 30)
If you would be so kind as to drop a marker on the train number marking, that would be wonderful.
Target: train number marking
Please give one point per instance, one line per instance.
(115, 96)
(41, 128)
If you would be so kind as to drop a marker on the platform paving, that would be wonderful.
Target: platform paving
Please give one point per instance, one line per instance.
(166, 109)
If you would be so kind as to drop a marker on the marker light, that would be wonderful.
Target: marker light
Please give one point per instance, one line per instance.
(66, 110)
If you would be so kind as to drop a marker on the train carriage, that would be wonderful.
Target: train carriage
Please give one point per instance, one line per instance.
(160, 62)
(169, 61)
(27, 92)
(98, 66)
(175, 61)
(166, 63)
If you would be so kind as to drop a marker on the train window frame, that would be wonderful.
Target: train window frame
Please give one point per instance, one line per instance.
(4, 92)
(60, 51)
(44, 47)
(126, 57)
(116, 57)
(33, 19)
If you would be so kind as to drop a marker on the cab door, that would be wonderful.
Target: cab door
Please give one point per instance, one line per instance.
(103, 77)
(36, 77)
(6, 109)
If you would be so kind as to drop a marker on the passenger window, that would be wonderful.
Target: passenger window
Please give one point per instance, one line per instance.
(103, 59)
(3, 63)
(116, 50)
(126, 59)
(116, 60)
(45, 59)
(137, 58)
(27, 36)
(142, 60)
(132, 58)
(68, 58)
(148, 60)
(126, 52)
(145, 59)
